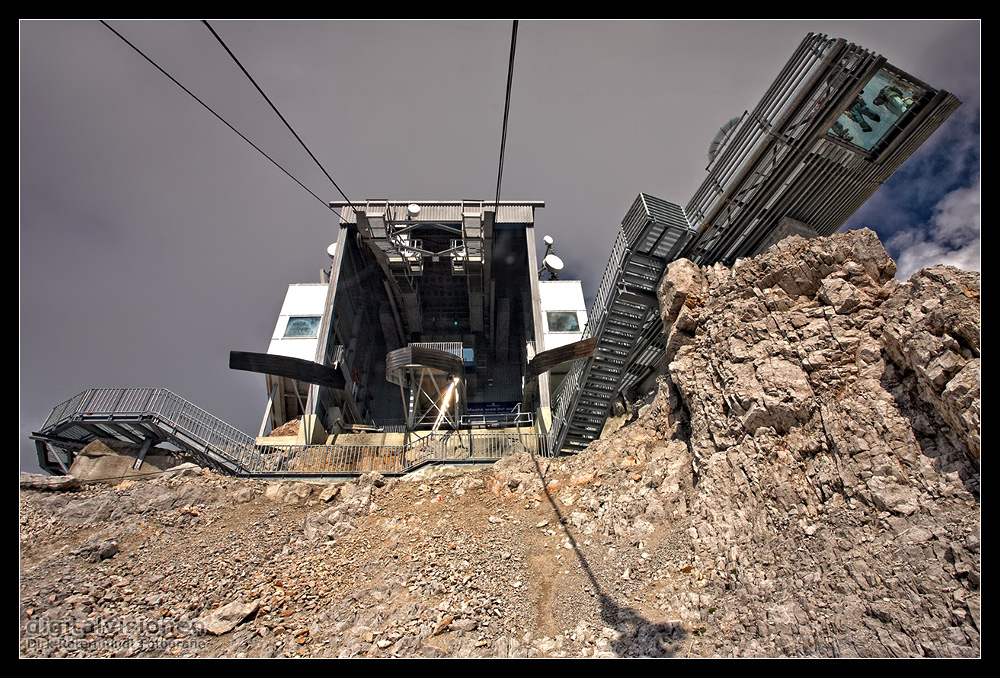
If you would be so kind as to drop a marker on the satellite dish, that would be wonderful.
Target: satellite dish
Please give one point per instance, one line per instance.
(414, 209)
(552, 264)
(721, 136)
(332, 250)
(549, 242)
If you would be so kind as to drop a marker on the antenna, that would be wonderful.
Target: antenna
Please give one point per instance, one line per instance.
(553, 265)
(550, 262)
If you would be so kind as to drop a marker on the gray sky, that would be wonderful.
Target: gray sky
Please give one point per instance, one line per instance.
(153, 240)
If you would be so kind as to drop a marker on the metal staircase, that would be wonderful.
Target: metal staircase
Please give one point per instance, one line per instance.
(137, 415)
(624, 318)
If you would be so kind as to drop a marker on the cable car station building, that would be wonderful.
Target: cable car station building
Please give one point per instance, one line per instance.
(432, 338)
(422, 297)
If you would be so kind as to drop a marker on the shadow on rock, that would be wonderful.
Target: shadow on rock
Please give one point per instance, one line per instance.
(634, 635)
(937, 441)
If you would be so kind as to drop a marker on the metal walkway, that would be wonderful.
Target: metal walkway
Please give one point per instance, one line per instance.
(625, 319)
(146, 416)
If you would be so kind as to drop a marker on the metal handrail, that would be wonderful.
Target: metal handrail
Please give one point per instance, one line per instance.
(235, 452)
(205, 433)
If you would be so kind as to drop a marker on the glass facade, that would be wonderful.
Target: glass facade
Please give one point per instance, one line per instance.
(873, 115)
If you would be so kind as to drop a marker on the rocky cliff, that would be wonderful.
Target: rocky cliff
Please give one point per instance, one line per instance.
(804, 482)
(832, 418)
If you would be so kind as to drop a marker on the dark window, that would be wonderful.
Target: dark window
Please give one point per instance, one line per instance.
(563, 321)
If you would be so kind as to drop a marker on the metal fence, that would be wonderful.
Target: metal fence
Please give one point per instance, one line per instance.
(453, 447)
(217, 444)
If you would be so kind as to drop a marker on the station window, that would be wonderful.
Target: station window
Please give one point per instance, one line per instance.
(302, 326)
(563, 321)
(877, 114)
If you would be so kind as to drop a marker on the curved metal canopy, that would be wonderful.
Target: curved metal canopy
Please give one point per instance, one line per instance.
(397, 361)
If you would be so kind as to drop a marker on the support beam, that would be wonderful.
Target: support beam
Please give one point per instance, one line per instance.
(267, 410)
(536, 313)
(142, 454)
(326, 324)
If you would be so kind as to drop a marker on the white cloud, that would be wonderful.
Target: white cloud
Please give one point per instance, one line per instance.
(953, 236)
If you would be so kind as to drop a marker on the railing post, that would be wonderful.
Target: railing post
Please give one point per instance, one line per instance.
(150, 398)
(114, 407)
(82, 407)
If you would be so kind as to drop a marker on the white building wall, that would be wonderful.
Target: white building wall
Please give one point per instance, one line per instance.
(561, 296)
(302, 300)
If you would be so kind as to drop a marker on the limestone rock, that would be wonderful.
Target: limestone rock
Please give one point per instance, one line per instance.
(227, 617)
(328, 493)
(186, 469)
(932, 329)
(831, 414)
(38, 481)
(96, 551)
